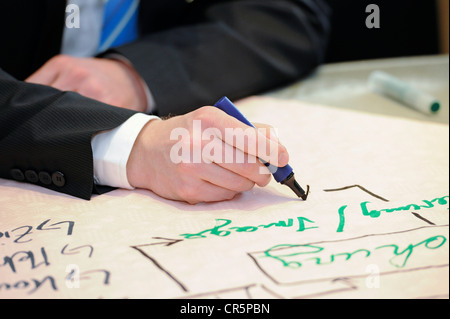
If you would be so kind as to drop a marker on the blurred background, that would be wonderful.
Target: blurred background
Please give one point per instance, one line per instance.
(407, 28)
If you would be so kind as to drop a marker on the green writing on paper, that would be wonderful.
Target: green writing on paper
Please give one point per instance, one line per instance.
(223, 229)
(428, 204)
(376, 213)
(296, 256)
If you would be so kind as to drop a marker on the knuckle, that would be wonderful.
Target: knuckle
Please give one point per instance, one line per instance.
(205, 114)
(60, 60)
(80, 73)
(205, 111)
(93, 86)
(187, 168)
(194, 143)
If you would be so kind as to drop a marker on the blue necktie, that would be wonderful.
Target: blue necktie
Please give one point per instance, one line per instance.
(119, 23)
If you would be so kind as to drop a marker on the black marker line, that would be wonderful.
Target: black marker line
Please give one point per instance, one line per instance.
(360, 187)
(271, 292)
(74, 251)
(247, 292)
(217, 292)
(262, 270)
(169, 243)
(359, 237)
(423, 218)
(106, 272)
(162, 269)
(345, 280)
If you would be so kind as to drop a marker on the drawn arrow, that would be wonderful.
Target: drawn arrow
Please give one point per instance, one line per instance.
(168, 242)
(76, 250)
(358, 186)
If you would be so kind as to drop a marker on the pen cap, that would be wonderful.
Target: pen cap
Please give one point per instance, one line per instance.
(228, 107)
(390, 86)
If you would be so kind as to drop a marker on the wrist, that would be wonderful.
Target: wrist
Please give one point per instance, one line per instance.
(112, 149)
(139, 174)
(137, 84)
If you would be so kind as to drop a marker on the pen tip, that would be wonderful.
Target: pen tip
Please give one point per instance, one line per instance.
(296, 188)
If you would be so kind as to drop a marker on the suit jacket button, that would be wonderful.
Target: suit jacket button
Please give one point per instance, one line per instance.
(45, 178)
(31, 176)
(17, 174)
(58, 179)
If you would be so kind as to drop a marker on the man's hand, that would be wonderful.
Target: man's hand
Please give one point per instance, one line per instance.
(226, 166)
(109, 81)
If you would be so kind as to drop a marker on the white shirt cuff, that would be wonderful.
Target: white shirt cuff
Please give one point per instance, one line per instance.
(112, 149)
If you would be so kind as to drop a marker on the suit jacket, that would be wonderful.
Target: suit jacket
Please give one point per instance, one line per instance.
(189, 54)
(45, 135)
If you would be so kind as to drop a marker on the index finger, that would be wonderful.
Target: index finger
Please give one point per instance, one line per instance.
(247, 138)
(46, 74)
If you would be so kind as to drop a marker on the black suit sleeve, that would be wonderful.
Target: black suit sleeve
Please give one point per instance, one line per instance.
(234, 48)
(45, 135)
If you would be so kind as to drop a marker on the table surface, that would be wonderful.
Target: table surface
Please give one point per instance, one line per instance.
(344, 85)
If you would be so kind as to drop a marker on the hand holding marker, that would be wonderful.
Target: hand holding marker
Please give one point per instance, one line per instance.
(283, 175)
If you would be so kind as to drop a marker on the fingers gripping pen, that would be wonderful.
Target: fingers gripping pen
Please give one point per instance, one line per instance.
(283, 175)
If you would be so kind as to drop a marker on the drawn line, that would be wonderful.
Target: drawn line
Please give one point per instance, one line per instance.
(162, 269)
(170, 243)
(247, 292)
(248, 288)
(363, 236)
(217, 292)
(272, 292)
(346, 281)
(106, 272)
(341, 219)
(75, 250)
(423, 218)
(265, 273)
(363, 276)
(360, 187)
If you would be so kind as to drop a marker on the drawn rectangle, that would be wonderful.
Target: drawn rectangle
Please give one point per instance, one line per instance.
(385, 253)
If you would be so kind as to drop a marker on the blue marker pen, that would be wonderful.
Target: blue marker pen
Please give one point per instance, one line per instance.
(283, 175)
